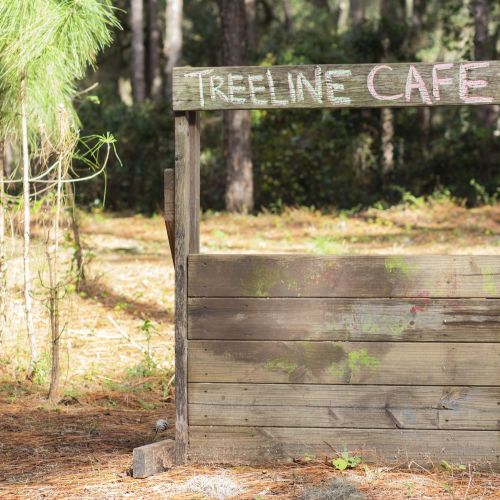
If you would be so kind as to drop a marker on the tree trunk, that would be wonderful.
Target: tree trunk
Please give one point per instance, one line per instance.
(287, 11)
(154, 41)
(173, 40)
(237, 146)
(356, 12)
(484, 50)
(28, 306)
(387, 141)
(54, 298)
(251, 25)
(3, 268)
(75, 228)
(138, 57)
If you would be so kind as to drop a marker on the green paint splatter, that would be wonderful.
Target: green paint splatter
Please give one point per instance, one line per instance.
(370, 327)
(360, 359)
(282, 365)
(398, 328)
(397, 264)
(337, 370)
(488, 283)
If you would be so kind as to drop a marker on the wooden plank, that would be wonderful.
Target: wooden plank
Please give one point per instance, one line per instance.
(186, 241)
(460, 398)
(457, 276)
(337, 86)
(169, 208)
(417, 320)
(341, 417)
(318, 362)
(153, 458)
(239, 445)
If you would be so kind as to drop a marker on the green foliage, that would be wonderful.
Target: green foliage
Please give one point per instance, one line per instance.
(345, 461)
(321, 158)
(452, 468)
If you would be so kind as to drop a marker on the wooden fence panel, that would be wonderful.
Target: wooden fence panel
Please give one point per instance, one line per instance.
(457, 276)
(392, 320)
(321, 362)
(268, 444)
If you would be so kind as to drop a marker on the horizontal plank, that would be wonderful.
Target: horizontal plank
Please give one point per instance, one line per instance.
(417, 320)
(340, 417)
(458, 276)
(238, 445)
(337, 86)
(399, 363)
(460, 398)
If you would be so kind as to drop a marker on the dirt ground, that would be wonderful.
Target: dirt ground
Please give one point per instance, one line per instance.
(118, 357)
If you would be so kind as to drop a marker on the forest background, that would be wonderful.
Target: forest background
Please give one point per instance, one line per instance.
(346, 159)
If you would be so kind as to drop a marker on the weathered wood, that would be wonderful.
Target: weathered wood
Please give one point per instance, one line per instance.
(153, 458)
(341, 417)
(169, 210)
(186, 241)
(424, 277)
(237, 445)
(417, 320)
(337, 86)
(368, 396)
(194, 198)
(318, 362)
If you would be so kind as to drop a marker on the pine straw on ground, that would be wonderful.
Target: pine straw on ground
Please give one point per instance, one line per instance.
(82, 448)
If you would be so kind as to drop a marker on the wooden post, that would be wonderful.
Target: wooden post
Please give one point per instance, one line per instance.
(169, 208)
(187, 222)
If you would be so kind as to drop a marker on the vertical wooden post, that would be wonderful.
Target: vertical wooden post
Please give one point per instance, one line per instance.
(187, 223)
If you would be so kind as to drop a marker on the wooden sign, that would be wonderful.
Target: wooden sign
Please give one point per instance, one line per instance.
(337, 86)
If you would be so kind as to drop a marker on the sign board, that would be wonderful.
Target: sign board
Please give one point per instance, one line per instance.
(337, 86)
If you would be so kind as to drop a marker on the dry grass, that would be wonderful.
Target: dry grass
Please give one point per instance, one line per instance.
(82, 449)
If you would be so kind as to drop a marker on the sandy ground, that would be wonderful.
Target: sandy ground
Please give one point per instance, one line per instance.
(118, 357)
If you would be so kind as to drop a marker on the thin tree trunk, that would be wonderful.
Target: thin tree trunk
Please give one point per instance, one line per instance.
(28, 306)
(387, 141)
(3, 264)
(356, 12)
(138, 57)
(251, 25)
(54, 299)
(483, 50)
(287, 11)
(239, 168)
(75, 228)
(173, 40)
(154, 41)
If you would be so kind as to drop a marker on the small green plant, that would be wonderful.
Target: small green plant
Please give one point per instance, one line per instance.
(345, 461)
(452, 468)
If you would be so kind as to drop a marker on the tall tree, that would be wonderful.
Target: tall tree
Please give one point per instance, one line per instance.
(173, 40)
(251, 24)
(138, 53)
(484, 49)
(287, 11)
(154, 42)
(3, 266)
(386, 114)
(237, 147)
(356, 11)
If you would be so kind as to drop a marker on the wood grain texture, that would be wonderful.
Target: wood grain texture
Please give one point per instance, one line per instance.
(417, 320)
(153, 458)
(399, 363)
(340, 417)
(169, 208)
(460, 398)
(186, 241)
(239, 445)
(337, 86)
(425, 277)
